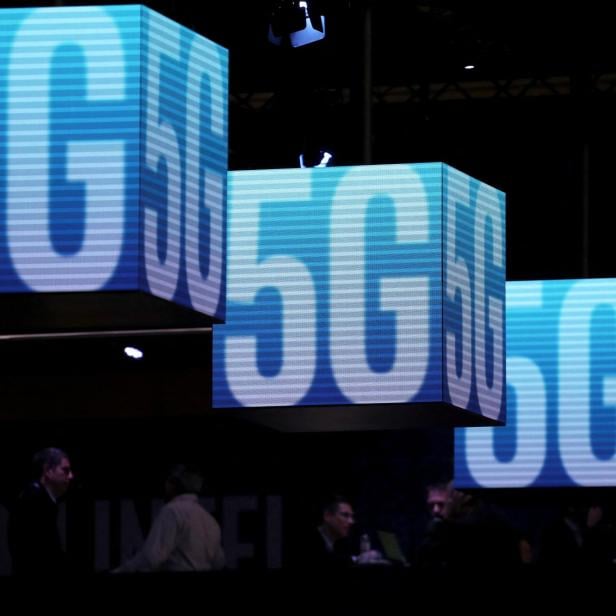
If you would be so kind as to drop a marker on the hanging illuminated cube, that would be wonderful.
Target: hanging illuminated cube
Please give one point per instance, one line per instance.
(363, 297)
(113, 165)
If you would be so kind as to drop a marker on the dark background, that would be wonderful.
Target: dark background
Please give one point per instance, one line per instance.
(535, 119)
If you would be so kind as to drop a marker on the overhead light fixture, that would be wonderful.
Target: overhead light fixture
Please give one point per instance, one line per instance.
(296, 23)
(133, 352)
(323, 159)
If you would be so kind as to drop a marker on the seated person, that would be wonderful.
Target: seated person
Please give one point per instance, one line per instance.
(436, 499)
(329, 545)
(467, 532)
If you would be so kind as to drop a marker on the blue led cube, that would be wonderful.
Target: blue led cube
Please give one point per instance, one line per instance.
(561, 392)
(113, 164)
(363, 297)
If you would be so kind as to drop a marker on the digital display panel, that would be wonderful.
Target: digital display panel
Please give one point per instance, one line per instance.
(561, 392)
(363, 285)
(113, 155)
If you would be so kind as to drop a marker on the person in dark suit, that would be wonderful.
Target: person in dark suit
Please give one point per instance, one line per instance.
(328, 545)
(33, 535)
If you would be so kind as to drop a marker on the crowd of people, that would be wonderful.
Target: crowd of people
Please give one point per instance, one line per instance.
(183, 537)
(462, 530)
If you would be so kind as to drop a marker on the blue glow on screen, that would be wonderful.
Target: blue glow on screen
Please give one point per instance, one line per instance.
(104, 155)
(561, 392)
(336, 293)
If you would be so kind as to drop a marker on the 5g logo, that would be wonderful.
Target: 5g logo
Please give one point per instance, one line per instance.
(473, 316)
(196, 171)
(116, 155)
(354, 291)
(562, 385)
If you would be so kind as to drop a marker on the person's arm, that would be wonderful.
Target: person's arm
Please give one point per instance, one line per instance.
(157, 547)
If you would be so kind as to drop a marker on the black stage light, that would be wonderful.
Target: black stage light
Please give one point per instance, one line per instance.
(295, 23)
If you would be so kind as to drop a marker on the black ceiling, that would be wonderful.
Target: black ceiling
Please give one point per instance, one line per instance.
(413, 38)
(534, 118)
(429, 37)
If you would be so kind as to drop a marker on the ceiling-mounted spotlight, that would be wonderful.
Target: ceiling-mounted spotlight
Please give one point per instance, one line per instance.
(323, 160)
(296, 23)
(133, 352)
